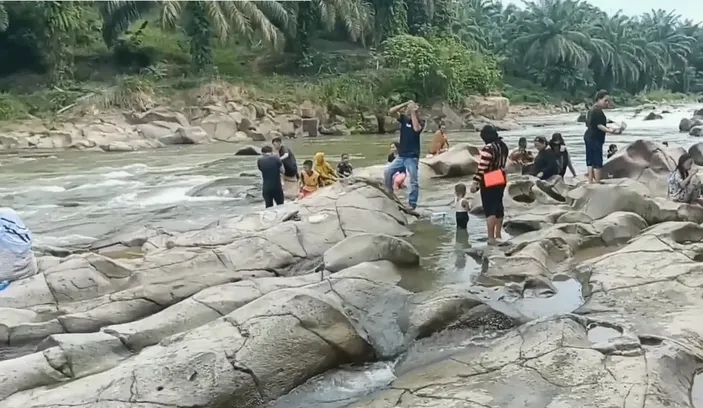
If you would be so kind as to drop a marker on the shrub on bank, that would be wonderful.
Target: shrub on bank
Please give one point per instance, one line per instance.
(438, 68)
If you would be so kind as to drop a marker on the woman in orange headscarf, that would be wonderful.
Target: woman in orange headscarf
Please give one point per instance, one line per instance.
(324, 169)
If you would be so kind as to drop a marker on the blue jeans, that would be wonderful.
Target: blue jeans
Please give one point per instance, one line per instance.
(409, 165)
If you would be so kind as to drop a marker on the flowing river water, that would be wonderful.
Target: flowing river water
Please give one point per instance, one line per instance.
(72, 198)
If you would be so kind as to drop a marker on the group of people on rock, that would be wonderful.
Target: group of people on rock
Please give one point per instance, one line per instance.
(277, 163)
(552, 159)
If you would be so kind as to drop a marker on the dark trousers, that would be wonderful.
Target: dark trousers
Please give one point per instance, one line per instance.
(271, 196)
(462, 219)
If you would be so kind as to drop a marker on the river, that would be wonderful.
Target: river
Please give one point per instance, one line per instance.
(72, 198)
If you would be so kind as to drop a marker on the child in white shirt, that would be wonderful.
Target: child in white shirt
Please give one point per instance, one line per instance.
(462, 205)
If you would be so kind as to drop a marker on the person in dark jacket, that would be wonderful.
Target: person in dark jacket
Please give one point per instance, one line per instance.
(558, 146)
(546, 164)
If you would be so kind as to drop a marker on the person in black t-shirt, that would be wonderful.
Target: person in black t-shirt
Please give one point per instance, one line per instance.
(290, 166)
(594, 138)
(271, 169)
(411, 127)
(546, 164)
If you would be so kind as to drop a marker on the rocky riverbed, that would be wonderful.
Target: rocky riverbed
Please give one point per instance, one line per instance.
(591, 305)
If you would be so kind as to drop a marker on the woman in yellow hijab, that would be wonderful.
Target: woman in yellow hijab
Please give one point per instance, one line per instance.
(324, 169)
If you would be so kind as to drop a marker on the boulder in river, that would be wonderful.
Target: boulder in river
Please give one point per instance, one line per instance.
(687, 124)
(696, 131)
(248, 151)
(653, 116)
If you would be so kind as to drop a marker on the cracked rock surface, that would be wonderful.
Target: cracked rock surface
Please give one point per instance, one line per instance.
(645, 290)
(223, 315)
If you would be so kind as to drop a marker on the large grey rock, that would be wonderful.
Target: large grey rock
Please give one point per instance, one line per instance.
(368, 248)
(85, 292)
(246, 358)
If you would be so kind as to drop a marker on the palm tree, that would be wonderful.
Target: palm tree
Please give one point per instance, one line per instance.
(202, 21)
(552, 34)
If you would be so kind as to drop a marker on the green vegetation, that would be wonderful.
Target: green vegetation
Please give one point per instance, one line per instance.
(364, 53)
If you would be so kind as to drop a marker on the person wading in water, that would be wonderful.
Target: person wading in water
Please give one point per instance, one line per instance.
(490, 179)
(271, 169)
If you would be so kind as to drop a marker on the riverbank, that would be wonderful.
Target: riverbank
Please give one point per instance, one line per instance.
(224, 112)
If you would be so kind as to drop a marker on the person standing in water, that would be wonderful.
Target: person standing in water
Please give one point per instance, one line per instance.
(491, 180)
(594, 138)
(408, 149)
(271, 168)
(290, 166)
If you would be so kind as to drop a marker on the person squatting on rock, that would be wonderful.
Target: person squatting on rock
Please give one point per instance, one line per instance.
(271, 168)
(309, 180)
(344, 167)
(558, 146)
(491, 180)
(324, 169)
(612, 149)
(462, 206)
(546, 164)
(399, 177)
(290, 166)
(594, 137)
(684, 184)
(17, 260)
(408, 149)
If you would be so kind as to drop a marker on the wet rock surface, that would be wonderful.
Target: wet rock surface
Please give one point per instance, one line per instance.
(633, 340)
(594, 302)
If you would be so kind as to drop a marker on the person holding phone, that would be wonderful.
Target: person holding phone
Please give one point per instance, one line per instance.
(684, 184)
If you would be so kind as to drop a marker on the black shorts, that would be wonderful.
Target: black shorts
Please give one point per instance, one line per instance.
(462, 219)
(271, 196)
(492, 200)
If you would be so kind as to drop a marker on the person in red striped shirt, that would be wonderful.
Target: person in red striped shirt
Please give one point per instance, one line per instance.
(491, 180)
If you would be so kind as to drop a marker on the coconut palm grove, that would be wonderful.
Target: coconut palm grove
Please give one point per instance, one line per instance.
(363, 50)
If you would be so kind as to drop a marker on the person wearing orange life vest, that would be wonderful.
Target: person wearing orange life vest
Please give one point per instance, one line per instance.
(310, 180)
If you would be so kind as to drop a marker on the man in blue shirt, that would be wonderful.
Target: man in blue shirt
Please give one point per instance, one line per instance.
(408, 148)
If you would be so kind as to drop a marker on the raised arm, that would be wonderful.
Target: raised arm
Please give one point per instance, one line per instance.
(417, 126)
(395, 111)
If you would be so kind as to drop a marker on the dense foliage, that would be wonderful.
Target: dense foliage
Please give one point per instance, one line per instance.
(443, 49)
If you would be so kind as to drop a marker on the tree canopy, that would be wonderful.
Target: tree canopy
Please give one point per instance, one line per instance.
(565, 45)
